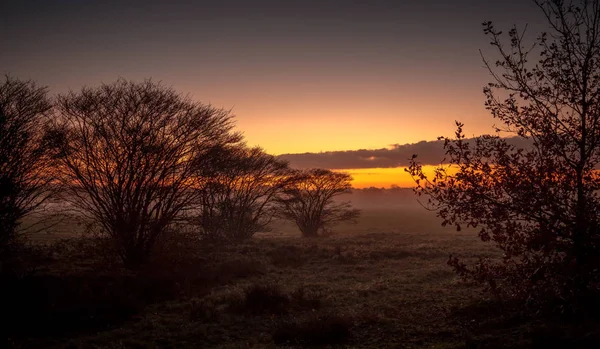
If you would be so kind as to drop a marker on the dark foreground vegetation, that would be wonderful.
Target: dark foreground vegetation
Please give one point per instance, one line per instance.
(172, 198)
(378, 284)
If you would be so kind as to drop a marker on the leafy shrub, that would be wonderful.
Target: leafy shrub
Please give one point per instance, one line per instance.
(25, 158)
(263, 299)
(286, 256)
(318, 329)
(307, 298)
(534, 195)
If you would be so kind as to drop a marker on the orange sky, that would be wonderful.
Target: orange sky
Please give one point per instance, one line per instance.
(379, 177)
(300, 120)
(383, 177)
(290, 116)
(300, 76)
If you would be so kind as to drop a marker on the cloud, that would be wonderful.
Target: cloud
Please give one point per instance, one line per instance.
(395, 155)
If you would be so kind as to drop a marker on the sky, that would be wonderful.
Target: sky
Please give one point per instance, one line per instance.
(300, 76)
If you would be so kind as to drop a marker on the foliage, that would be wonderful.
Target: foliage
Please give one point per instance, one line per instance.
(128, 157)
(309, 200)
(239, 196)
(264, 299)
(79, 301)
(25, 159)
(538, 204)
(317, 330)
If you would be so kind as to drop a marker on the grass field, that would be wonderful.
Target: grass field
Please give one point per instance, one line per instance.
(381, 283)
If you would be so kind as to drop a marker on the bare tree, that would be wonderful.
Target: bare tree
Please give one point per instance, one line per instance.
(539, 204)
(129, 153)
(25, 160)
(309, 201)
(240, 194)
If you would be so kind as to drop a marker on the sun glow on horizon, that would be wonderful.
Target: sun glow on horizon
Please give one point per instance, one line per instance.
(383, 177)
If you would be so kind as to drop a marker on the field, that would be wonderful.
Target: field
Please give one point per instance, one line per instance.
(381, 283)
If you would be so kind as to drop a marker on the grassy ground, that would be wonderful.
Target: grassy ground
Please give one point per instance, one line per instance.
(382, 283)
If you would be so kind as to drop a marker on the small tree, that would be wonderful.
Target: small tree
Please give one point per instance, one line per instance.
(539, 205)
(25, 160)
(309, 201)
(239, 196)
(129, 153)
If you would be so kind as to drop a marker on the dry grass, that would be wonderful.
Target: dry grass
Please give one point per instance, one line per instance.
(382, 283)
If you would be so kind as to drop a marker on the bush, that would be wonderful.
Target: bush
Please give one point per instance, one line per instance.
(25, 157)
(287, 256)
(239, 197)
(307, 298)
(263, 299)
(129, 153)
(319, 330)
(309, 201)
(536, 195)
(59, 305)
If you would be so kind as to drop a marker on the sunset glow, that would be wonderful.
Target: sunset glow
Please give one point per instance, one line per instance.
(300, 173)
(300, 77)
(383, 177)
(379, 177)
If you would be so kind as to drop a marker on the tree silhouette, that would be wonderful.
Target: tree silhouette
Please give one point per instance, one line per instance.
(309, 200)
(538, 204)
(240, 194)
(25, 159)
(129, 153)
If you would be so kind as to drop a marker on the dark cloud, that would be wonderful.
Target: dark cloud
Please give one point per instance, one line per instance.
(396, 155)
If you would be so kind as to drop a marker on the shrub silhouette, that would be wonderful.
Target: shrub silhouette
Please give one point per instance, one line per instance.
(316, 330)
(309, 201)
(239, 197)
(538, 204)
(267, 298)
(128, 156)
(25, 156)
(59, 305)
